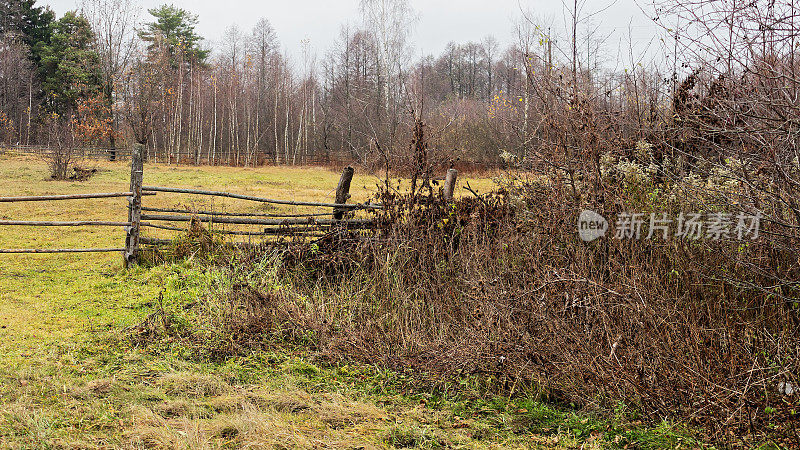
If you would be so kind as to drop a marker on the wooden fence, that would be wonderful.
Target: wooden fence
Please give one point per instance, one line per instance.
(333, 218)
(260, 158)
(81, 223)
(94, 153)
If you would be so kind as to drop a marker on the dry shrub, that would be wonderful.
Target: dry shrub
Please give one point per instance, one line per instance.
(501, 287)
(62, 151)
(196, 242)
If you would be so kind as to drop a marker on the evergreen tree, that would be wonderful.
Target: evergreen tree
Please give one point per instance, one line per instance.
(70, 66)
(174, 28)
(30, 22)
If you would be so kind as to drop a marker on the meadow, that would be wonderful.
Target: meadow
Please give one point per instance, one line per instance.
(73, 378)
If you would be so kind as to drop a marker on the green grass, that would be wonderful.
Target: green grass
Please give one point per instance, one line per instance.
(72, 378)
(104, 393)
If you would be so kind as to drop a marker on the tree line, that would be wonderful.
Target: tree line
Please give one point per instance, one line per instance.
(111, 75)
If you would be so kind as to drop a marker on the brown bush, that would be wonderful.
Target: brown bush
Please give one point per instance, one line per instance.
(502, 288)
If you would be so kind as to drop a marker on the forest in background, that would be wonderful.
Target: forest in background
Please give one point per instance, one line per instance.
(109, 74)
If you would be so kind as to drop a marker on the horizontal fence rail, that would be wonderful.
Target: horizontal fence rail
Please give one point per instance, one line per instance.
(286, 229)
(250, 221)
(62, 250)
(259, 199)
(296, 231)
(43, 198)
(77, 223)
(231, 214)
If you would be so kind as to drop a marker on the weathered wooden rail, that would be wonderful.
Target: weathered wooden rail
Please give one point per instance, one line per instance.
(250, 221)
(261, 199)
(231, 214)
(43, 198)
(61, 250)
(76, 223)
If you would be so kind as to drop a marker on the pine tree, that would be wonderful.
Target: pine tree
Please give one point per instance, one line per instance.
(30, 22)
(70, 66)
(175, 28)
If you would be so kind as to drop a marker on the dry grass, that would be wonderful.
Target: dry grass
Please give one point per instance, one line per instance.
(502, 290)
(248, 420)
(138, 407)
(68, 380)
(46, 298)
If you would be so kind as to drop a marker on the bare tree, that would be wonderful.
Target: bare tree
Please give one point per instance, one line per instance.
(389, 22)
(142, 93)
(113, 22)
(490, 48)
(17, 80)
(263, 46)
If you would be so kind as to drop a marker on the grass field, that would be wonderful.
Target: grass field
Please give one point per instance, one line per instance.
(71, 378)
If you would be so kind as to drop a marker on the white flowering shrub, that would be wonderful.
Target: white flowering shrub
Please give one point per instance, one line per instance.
(644, 150)
(632, 173)
(509, 158)
(607, 163)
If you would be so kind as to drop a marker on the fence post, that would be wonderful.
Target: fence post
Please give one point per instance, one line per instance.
(343, 192)
(450, 184)
(135, 203)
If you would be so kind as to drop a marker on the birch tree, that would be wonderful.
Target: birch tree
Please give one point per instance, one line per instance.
(113, 22)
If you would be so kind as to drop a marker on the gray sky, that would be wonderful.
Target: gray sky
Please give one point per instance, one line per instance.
(441, 21)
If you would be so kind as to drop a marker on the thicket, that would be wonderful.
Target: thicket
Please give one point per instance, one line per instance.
(499, 287)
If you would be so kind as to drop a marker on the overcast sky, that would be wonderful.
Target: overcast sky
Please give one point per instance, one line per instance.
(441, 21)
